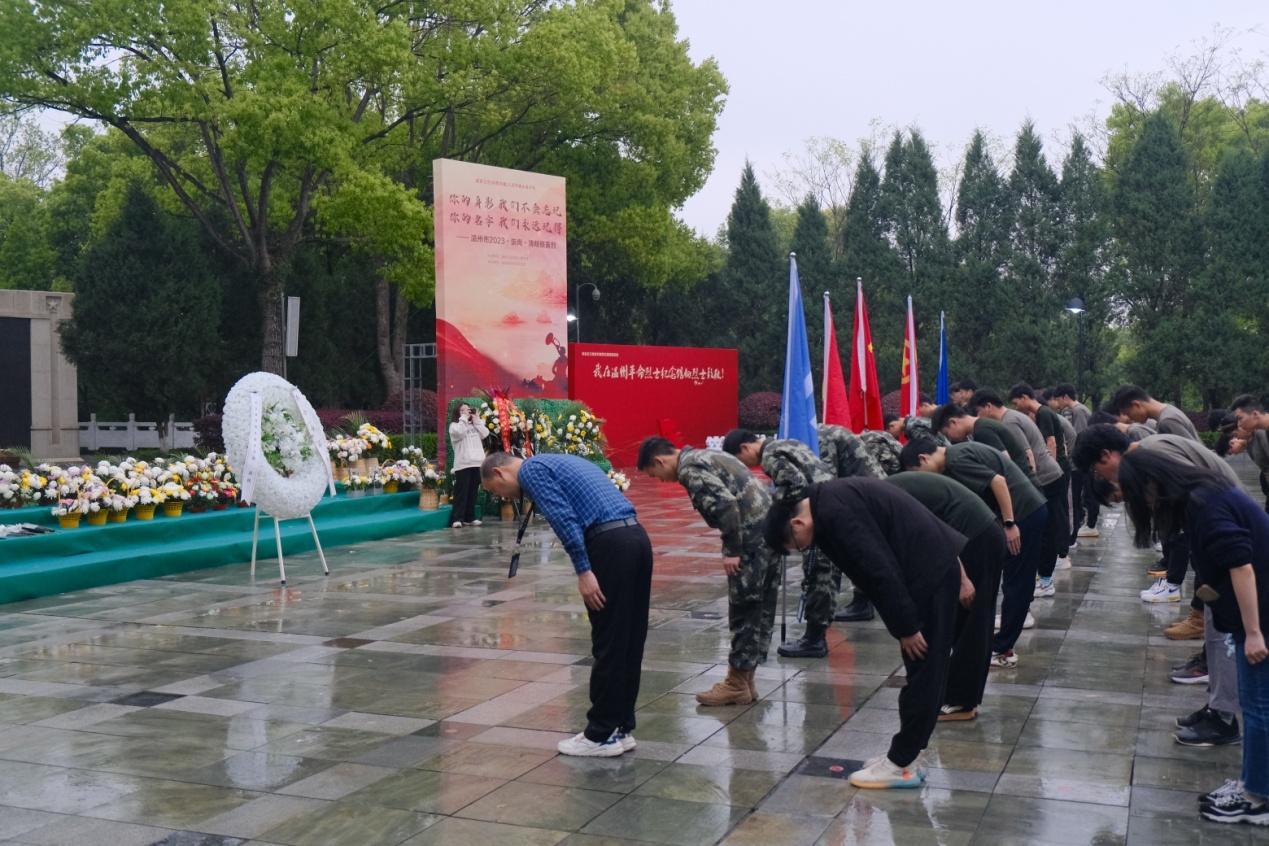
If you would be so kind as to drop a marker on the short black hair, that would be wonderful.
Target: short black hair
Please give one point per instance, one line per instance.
(922, 399)
(984, 396)
(775, 529)
(1216, 417)
(1093, 441)
(964, 385)
(1022, 389)
(887, 419)
(946, 413)
(1103, 489)
(1246, 402)
(652, 448)
(1101, 415)
(910, 455)
(1126, 396)
(736, 438)
(1063, 389)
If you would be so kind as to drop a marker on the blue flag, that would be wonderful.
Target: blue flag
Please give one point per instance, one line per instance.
(797, 403)
(941, 393)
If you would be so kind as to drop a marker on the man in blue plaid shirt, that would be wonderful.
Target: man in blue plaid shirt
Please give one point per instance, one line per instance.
(612, 557)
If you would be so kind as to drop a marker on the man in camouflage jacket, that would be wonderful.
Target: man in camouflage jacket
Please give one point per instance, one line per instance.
(733, 501)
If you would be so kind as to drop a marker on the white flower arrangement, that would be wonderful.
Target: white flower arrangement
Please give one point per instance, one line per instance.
(402, 472)
(67, 507)
(10, 487)
(345, 449)
(357, 483)
(282, 497)
(286, 446)
(432, 478)
(120, 502)
(377, 442)
(174, 491)
(619, 480)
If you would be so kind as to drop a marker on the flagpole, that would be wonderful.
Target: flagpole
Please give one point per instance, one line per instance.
(824, 372)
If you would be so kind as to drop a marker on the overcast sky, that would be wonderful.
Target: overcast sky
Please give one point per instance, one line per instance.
(804, 68)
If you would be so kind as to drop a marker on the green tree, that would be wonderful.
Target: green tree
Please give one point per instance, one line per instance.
(866, 255)
(817, 274)
(1083, 262)
(974, 306)
(27, 153)
(755, 277)
(1159, 248)
(145, 331)
(26, 257)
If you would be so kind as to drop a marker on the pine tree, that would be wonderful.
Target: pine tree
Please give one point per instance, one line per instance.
(1032, 303)
(755, 281)
(816, 272)
(866, 254)
(1160, 246)
(1082, 265)
(141, 274)
(1227, 356)
(974, 304)
(916, 229)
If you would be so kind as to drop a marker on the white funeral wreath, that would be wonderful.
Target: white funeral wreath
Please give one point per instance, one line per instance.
(264, 406)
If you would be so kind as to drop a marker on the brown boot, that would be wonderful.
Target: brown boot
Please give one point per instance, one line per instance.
(733, 690)
(753, 687)
(1191, 628)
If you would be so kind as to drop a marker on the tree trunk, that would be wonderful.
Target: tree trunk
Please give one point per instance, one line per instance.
(388, 370)
(400, 328)
(272, 347)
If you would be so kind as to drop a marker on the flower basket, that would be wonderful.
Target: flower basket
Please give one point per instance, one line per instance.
(443, 498)
(173, 508)
(361, 467)
(391, 486)
(372, 465)
(341, 473)
(507, 512)
(144, 512)
(69, 521)
(429, 499)
(98, 518)
(117, 517)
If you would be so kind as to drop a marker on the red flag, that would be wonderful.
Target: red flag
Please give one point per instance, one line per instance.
(865, 390)
(909, 394)
(836, 405)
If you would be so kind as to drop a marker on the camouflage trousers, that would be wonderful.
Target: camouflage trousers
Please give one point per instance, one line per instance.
(752, 595)
(820, 583)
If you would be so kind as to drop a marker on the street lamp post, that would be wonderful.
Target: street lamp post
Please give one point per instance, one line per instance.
(1076, 307)
(576, 317)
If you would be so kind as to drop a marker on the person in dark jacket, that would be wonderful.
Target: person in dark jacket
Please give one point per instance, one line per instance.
(1229, 536)
(905, 559)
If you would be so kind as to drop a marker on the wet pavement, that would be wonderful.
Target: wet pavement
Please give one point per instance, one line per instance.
(416, 696)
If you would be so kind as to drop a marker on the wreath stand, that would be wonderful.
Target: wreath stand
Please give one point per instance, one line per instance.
(277, 536)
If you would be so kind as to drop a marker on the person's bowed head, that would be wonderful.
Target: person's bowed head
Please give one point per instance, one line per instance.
(790, 527)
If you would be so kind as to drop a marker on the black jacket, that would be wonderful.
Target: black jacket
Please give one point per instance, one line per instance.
(888, 543)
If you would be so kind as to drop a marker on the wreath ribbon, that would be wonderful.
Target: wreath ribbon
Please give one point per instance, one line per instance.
(255, 454)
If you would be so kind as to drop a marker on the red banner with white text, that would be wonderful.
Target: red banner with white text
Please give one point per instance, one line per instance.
(683, 393)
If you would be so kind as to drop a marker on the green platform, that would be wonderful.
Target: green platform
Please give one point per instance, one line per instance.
(91, 556)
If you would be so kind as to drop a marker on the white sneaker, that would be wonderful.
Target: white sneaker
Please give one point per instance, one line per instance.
(1161, 591)
(1003, 660)
(582, 747)
(457, 526)
(882, 774)
(475, 523)
(627, 741)
(1043, 588)
(1088, 532)
(1063, 564)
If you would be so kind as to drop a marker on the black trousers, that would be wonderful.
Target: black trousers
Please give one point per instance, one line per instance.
(1087, 508)
(984, 558)
(1176, 557)
(1017, 582)
(1059, 537)
(466, 486)
(922, 697)
(622, 563)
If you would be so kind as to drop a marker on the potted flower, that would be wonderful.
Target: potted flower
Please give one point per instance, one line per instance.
(94, 496)
(202, 495)
(69, 511)
(377, 444)
(118, 506)
(619, 480)
(174, 498)
(10, 488)
(148, 499)
(357, 485)
(429, 488)
(226, 495)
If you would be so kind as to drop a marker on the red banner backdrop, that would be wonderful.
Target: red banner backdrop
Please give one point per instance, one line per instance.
(684, 393)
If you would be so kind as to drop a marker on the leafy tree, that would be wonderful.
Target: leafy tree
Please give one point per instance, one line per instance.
(27, 153)
(26, 257)
(817, 275)
(145, 332)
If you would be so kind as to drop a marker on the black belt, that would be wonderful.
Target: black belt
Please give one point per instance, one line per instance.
(597, 529)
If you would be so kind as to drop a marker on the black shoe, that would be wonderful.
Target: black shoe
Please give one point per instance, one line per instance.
(1191, 720)
(859, 611)
(1198, 659)
(1210, 731)
(1237, 809)
(808, 646)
